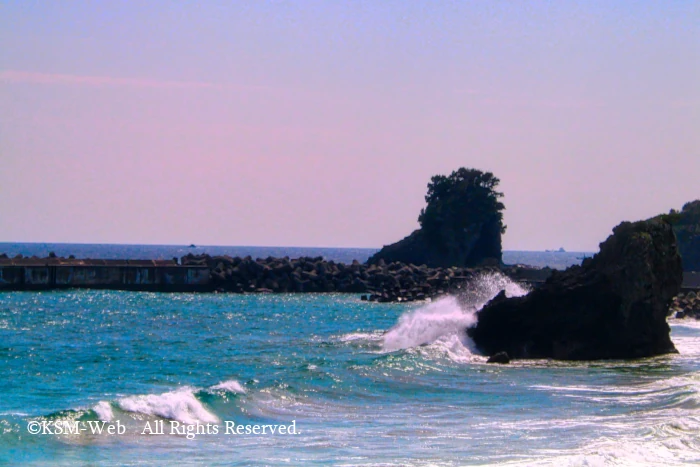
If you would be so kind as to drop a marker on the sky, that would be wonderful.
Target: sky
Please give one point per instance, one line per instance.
(320, 123)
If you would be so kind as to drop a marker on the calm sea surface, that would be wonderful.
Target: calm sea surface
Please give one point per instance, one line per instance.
(361, 384)
(345, 255)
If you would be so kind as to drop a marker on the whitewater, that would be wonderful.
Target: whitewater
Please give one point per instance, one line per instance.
(365, 384)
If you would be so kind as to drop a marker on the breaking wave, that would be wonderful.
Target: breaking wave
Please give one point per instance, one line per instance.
(183, 405)
(442, 324)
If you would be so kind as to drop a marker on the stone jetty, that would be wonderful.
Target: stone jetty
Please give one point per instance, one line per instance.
(381, 282)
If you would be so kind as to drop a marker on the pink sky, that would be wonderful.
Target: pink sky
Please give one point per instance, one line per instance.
(320, 124)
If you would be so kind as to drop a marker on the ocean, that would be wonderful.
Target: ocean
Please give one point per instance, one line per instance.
(346, 381)
(553, 259)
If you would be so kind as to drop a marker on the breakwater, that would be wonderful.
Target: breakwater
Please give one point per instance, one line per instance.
(204, 273)
(380, 282)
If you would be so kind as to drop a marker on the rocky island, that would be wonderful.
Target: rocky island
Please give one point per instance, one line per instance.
(461, 225)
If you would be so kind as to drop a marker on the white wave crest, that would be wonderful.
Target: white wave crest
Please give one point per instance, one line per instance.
(180, 405)
(104, 412)
(229, 386)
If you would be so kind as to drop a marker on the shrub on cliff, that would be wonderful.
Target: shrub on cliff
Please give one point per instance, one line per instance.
(686, 225)
(461, 224)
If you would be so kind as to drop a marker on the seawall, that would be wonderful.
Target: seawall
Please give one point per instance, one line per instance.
(140, 275)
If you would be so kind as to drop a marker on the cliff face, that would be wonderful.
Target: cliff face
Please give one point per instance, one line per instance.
(612, 306)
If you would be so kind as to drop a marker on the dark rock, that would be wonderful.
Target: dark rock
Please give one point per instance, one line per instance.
(358, 286)
(500, 357)
(613, 306)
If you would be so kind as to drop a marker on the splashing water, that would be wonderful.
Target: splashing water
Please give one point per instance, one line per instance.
(444, 321)
(477, 292)
(428, 323)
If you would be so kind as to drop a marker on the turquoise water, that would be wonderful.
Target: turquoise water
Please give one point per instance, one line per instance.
(363, 383)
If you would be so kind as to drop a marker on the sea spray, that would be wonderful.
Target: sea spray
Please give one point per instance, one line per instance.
(443, 321)
(475, 293)
(427, 324)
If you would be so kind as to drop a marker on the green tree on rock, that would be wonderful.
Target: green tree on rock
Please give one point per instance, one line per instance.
(459, 202)
(461, 224)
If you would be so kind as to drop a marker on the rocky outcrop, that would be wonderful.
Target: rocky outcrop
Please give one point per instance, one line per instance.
(612, 306)
(478, 246)
(461, 224)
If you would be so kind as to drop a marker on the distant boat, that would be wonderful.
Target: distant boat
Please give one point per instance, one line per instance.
(193, 246)
(560, 250)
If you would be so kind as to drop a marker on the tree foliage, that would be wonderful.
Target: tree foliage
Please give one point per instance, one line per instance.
(465, 198)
